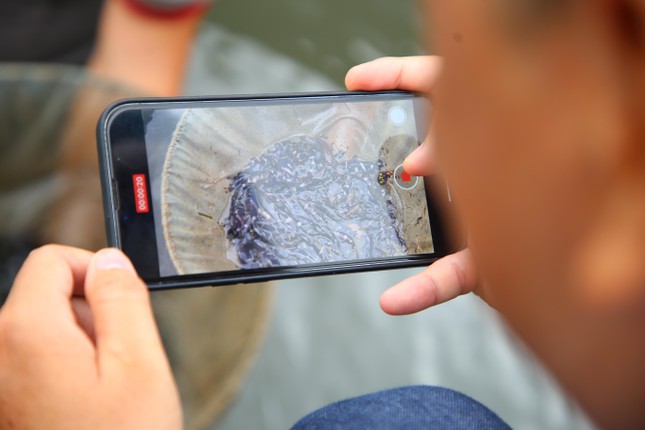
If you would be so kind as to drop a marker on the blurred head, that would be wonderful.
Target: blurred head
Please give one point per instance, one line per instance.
(540, 116)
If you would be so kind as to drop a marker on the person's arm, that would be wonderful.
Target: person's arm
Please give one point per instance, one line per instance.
(450, 276)
(79, 348)
(142, 49)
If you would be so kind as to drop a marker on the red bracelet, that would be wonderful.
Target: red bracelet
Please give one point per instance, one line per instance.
(197, 8)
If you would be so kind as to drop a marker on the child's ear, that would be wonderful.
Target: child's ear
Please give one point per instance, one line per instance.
(610, 263)
(610, 266)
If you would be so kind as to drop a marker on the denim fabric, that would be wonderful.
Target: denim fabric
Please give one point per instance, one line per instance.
(417, 407)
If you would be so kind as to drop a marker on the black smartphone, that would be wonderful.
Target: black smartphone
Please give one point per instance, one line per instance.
(225, 190)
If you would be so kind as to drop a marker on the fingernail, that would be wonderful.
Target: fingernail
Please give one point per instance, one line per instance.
(110, 258)
(414, 153)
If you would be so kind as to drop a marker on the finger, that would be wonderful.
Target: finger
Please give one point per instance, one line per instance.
(403, 73)
(46, 282)
(83, 316)
(120, 304)
(420, 162)
(446, 279)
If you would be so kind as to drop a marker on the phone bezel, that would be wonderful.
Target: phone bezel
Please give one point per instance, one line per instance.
(111, 200)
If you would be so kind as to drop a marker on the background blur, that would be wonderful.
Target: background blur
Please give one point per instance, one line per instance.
(327, 36)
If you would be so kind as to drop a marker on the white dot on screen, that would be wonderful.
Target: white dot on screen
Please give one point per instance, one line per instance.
(397, 115)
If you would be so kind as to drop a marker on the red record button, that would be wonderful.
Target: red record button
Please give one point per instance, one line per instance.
(404, 180)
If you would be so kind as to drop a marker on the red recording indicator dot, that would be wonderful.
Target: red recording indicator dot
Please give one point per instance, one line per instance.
(405, 177)
(140, 194)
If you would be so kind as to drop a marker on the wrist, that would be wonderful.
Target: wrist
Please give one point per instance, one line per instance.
(164, 9)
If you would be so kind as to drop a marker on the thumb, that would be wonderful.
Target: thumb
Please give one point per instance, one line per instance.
(120, 304)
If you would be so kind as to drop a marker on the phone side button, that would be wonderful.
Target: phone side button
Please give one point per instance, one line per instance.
(116, 199)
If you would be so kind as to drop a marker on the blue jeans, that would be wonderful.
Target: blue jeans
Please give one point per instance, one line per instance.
(417, 407)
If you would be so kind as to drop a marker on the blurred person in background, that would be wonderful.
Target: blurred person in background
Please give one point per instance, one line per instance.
(538, 126)
(141, 43)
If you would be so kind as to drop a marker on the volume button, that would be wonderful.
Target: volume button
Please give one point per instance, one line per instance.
(116, 199)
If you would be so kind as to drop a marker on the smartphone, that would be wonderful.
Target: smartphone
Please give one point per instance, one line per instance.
(226, 190)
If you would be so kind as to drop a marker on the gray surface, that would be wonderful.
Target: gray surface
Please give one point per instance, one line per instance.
(328, 338)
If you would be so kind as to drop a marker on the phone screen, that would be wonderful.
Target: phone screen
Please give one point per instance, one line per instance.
(254, 185)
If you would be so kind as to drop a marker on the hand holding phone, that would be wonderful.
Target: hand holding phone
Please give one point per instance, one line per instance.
(454, 274)
(78, 337)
